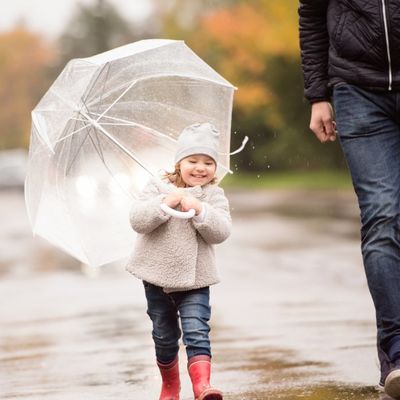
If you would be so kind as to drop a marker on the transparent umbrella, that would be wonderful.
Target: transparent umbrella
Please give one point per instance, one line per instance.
(103, 128)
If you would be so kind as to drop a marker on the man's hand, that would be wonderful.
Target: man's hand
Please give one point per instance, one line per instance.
(189, 202)
(322, 123)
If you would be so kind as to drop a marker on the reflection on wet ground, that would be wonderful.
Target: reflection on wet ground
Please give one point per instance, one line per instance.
(280, 374)
(316, 393)
(292, 318)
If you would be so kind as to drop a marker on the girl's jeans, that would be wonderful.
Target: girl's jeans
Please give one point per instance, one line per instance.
(369, 130)
(192, 308)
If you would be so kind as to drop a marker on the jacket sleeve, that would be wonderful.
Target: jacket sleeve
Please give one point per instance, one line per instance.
(217, 223)
(146, 214)
(314, 45)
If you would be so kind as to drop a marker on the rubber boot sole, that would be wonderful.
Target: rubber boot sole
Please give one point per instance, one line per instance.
(211, 394)
(392, 384)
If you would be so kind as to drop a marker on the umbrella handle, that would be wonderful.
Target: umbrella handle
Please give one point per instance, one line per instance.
(178, 214)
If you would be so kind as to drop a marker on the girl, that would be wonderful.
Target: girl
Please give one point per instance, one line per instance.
(175, 258)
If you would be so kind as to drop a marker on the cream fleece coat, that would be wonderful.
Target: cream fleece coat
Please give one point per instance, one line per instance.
(178, 254)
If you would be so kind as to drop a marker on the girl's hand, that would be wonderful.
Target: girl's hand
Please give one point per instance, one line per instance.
(189, 202)
(173, 199)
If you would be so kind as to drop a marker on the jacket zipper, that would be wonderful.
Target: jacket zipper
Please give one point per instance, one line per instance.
(387, 44)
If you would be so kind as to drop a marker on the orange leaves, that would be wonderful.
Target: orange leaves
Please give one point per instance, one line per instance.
(242, 39)
(23, 58)
(261, 27)
(253, 96)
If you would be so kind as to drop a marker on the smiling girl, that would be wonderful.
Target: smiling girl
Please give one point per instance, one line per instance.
(175, 258)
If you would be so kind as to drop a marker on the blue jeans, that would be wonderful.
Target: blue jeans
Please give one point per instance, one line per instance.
(369, 131)
(192, 308)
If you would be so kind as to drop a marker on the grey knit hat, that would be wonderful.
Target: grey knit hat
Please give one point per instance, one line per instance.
(198, 139)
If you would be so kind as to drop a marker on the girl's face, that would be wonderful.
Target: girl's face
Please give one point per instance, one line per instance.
(197, 170)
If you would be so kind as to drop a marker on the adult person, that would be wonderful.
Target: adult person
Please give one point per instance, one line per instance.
(350, 52)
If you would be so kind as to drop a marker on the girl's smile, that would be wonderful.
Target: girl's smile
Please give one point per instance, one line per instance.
(197, 170)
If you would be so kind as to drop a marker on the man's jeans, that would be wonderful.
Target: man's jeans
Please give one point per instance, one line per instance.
(369, 130)
(192, 308)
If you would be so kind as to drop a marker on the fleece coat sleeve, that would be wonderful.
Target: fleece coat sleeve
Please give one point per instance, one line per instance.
(146, 214)
(216, 226)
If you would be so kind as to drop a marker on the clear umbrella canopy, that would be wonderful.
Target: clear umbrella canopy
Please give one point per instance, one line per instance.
(104, 127)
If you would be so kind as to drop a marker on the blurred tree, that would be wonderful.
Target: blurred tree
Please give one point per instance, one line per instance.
(252, 44)
(255, 46)
(28, 65)
(178, 16)
(24, 61)
(94, 28)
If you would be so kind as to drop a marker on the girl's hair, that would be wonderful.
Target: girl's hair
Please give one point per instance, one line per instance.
(176, 177)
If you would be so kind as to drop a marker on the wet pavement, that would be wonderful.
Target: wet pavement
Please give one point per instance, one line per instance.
(292, 318)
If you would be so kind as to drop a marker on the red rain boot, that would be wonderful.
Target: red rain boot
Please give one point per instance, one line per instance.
(171, 384)
(199, 368)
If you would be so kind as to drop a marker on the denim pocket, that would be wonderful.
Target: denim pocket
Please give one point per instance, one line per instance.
(359, 112)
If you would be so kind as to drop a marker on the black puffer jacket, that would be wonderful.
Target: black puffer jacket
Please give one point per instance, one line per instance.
(353, 41)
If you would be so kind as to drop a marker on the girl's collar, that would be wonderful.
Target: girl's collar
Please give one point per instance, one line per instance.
(166, 186)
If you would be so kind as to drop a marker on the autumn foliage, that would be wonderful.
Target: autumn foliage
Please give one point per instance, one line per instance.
(253, 44)
(24, 57)
(247, 35)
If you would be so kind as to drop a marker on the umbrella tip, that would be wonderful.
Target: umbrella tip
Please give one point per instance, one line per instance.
(244, 141)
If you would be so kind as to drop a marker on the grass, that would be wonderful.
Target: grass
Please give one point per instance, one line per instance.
(316, 180)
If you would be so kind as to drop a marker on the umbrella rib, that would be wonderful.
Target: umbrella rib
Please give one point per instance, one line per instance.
(130, 123)
(115, 124)
(104, 84)
(172, 75)
(76, 154)
(114, 118)
(118, 144)
(97, 146)
(116, 100)
(99, 151)
(72, 133)
(85, 98)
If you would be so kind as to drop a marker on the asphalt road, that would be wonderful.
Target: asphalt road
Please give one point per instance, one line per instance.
(292, 317)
